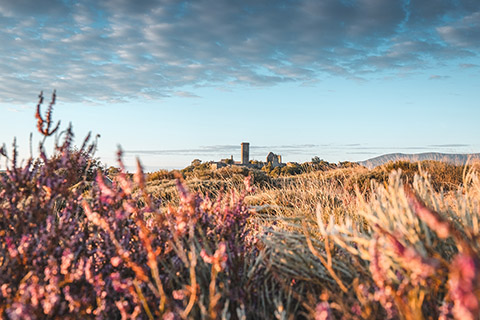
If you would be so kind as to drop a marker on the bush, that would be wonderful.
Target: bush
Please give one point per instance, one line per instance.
(163, 175)
(69, 253)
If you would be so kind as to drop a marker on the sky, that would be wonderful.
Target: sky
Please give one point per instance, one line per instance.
(171, 81)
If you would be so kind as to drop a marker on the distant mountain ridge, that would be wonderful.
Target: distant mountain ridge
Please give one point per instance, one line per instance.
(455, 158)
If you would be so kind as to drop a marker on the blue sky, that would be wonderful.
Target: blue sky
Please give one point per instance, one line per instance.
(171, 81)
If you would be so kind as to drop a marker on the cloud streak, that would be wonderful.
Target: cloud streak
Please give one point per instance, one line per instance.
(228, 149)
(120, 50)
(306, 150)
(438, 77)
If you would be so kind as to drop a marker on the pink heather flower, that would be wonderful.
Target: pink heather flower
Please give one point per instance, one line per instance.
(73, 305)
(248, 184)
(5, 290)
(383, 293)
(182, 192)
(178, 294)
(77, 273)
(117, 283)
(181, 227)
(139, 176)
(128, 209)
(168, 316)
(433, 219)
(12, 250)
(50, 223)
(356, 309)
(445, 311)
(136, 312)
(420, 267)
(463, 285)
(219, 258)
(104, 189)
(67, 259)
(49, 302)
(115, 261)
(121, 305)
(94, 217)
(88, 271)
(24, 243)
(376, 268)
(323, 311)
(19, 311)
(208, 259)
(124, 183)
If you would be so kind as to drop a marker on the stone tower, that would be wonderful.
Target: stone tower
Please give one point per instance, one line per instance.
(245, 152)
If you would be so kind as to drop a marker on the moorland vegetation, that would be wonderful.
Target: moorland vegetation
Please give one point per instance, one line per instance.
(336, 242)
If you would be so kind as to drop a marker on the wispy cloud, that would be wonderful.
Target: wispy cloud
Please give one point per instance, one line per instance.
(118, 50)
(438, 77)
(227, 150)
(468, 65)
(451, 145)
(185, 94)
(362, 153)
(207, 150)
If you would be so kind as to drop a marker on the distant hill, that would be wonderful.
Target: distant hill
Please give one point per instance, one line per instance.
(458, 159)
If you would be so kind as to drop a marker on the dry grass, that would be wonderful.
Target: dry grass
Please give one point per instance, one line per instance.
(373, 255)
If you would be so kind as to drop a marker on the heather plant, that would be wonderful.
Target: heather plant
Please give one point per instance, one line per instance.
(44, 242)
(75, 249)
(188, 252)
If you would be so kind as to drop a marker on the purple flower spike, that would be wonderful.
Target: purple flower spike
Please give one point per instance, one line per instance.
(464, 283)
(323, 311)
(432, 218)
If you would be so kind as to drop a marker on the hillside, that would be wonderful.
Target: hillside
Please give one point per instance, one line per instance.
(457, 159)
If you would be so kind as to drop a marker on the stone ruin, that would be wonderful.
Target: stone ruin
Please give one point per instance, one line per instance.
(274, 159)
(245, 152)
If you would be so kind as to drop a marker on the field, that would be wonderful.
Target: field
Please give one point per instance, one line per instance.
(332, 242)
